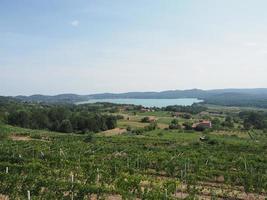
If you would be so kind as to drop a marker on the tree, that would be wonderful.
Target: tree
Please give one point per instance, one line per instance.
(174, 121)
(255, 120)
(200, 127)
(39, 119)
(65, 126)
(216, 123)
(174, 124)
(228, 122)
(187, 125)
(145, 120)
(20, 118)
(89, 137)
(111, 122)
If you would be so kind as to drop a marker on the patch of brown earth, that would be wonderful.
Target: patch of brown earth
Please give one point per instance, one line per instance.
(4, 197)
(112, 132)
(108, 197)
(20, 138)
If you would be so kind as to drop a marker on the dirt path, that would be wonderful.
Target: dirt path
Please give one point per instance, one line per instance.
(112, 132)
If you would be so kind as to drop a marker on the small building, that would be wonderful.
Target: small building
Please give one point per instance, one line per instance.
(145, 110)
(203, 123)
(176, 114)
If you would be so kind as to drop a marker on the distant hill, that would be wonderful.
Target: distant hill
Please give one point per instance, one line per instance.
(170, 94)
(228, 97)
(61, 98)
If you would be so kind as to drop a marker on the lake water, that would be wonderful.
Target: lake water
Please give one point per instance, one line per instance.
(148, 102)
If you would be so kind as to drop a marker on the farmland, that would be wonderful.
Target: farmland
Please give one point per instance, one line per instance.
(121, 163)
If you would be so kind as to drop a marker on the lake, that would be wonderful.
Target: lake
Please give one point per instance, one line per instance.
(148, 102)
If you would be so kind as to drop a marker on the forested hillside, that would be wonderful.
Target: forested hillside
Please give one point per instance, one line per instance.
(226, 97)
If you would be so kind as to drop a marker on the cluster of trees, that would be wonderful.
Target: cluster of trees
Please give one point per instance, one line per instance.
(227, 123)
(193, 109)
(61, 118)
(174, 124)
(238, 99)
(254, 120)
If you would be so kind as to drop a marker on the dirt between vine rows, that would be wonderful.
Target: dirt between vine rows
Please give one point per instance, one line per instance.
(108, 197)
(205, 190)
(24, 138)
(3, 197)
(20, 138)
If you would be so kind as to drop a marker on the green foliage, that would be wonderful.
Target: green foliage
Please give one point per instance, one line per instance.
(256, 120)
(188, 125)
(194, 109)
(62, 118)
(89, 137)
(228, 122)
(216, 123)
(145, 120)
(174, 124)
(65, 126)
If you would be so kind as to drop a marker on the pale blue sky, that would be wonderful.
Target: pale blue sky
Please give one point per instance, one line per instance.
(93, 46)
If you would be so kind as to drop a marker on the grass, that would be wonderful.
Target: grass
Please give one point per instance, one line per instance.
(133, 124)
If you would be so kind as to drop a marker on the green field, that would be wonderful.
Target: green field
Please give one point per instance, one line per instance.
(159, 164)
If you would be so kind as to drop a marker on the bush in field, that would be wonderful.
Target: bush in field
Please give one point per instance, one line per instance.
(89, 137)
(186, 116)
(216, 123)
(228, 122)
(174, 124)
(3, 135)
(145, 120)
(187, 126)
(210, 141)
(200, 128)
(151, 126)
(129, 128)
(119, 117)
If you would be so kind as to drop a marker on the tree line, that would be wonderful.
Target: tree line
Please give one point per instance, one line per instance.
(61, 118)
(193, 109)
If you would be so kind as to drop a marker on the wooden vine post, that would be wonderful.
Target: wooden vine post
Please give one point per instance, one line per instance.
(29, 195)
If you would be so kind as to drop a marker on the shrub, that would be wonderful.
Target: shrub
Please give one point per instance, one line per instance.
(174, 126)
(3, 135)
(65, 126)
(89, 137)
(145, 120)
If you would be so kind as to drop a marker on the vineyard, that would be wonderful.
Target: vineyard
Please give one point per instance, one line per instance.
(160, 164)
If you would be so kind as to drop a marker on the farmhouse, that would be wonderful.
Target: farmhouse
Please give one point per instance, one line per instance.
(203, 123)
(176, 114)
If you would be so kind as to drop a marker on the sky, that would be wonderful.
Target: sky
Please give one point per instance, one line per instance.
(94, 46)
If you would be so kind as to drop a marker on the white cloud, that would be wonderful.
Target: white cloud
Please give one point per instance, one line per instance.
(75, 23)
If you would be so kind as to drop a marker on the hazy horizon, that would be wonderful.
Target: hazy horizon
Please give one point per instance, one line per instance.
(54, 94)
(88, 47)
